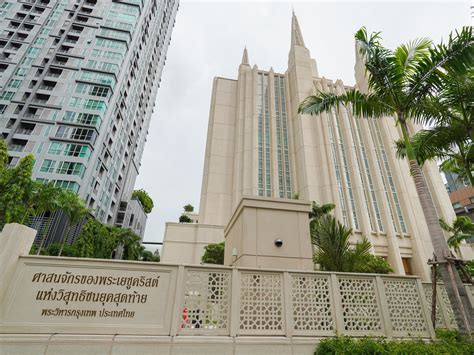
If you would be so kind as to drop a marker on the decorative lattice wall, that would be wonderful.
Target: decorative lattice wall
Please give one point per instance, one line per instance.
(226, 301)
(261, 303)
(312, 308)
(404, 307)
(206, 301)
(427, 288)
(360, 305)
(444, 311)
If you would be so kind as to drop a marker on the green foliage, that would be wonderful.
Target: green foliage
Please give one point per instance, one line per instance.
(96, 241)
(16, 189)
(184, 219)
(373, 264)
(189, 208)
(144, 199)
(99, 241)
(334, 251)
(149, 256)
(214, 254)
(21, 197)
(447, 342)
(461, 229)
(296, 196)
(470, 268)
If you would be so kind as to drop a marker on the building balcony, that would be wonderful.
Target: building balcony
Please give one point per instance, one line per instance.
(16, 147)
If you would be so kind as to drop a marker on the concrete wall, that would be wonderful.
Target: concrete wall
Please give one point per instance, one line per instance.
(255, 226)
(185, 242)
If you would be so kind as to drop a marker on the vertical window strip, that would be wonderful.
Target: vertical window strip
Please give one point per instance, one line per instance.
(382, 174)
(281, 180)
(330, 118)
(268, 178)
(369, 177)
(285, 138)
(342, 155)
(390, 180)
(350, 119)
(260, 133)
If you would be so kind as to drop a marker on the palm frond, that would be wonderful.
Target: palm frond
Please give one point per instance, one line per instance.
(436, 143)
(362, 105)
(455, 56)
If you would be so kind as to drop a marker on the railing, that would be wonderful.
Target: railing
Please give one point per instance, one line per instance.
(16, 147)
(224, 301)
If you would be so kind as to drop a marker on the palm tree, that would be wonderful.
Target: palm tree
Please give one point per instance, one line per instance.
(398, 82)
(452, 118)
(333, 248)
(74, 209)
(461, 229)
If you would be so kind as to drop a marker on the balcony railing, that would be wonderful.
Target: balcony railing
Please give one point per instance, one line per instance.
(16, 147)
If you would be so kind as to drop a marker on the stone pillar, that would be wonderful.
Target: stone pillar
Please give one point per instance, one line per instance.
(269, 233)
(15, 240)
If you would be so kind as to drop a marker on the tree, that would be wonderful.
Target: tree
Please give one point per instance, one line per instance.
(132, 249)
(184, 219)
(317, 212)
(188, 208)
(145, 199)
(461, 229)
(334, 251)
(399, 83)
(214, 254)
(95, 241)
(452, 119)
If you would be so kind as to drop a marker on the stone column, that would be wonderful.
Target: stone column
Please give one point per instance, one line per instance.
(15, 240)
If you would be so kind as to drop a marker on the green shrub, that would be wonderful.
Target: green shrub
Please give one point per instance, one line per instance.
(188, 208)
(447, 342)
(144, 199)
(214, 254)
(184, 219)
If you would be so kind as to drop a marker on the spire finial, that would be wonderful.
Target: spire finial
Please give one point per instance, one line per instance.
(245, 57)
(296, 36)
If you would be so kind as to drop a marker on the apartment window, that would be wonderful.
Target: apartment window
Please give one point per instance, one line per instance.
(77, 150)
(69, 185)
(45, 31)
(106, 54)
(112, 44)
(39, 40)
(48, 166)
(14, 83)
(55, 148)
(83, 134)
(21, 72)
(457, 205)
(6, 95)
(95, 105)
(70, 168)
(27, 60)
(100, 78)
(32, 51)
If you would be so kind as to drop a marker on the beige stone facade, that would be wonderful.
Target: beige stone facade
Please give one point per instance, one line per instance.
(258, 145)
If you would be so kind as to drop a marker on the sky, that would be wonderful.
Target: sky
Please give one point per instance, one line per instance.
(208, 40)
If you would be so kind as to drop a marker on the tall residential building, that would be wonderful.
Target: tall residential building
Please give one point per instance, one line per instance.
(258, 145)
(78, 81)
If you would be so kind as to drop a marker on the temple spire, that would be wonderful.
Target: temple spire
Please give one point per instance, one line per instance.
(245, 57)
(296, 36)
